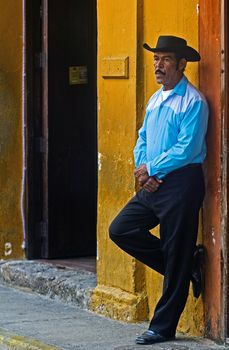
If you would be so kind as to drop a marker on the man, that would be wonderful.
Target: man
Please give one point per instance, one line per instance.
(168, 155)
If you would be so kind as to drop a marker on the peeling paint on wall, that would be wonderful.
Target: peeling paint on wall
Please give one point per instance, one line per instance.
(8, 249)
(213, 235)
(99, 161)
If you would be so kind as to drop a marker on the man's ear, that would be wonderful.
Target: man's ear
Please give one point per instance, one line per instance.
(182, 64)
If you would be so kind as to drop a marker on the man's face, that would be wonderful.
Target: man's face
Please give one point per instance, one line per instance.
(167, 71)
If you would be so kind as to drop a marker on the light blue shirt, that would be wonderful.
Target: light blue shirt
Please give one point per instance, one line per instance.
(173, 132)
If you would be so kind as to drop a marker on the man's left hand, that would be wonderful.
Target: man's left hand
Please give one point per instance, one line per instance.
(152, 184)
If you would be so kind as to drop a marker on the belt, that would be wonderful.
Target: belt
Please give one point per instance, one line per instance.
(192, 165)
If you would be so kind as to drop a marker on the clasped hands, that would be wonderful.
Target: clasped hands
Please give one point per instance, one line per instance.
(149, 183)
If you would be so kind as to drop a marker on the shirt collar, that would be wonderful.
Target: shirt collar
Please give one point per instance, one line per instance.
(180, 88)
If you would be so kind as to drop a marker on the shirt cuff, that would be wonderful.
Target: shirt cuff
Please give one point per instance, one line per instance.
(153, 172)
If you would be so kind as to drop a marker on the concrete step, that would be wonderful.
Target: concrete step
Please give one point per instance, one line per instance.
(67, 285)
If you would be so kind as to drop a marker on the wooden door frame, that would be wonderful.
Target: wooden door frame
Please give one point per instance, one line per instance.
(226, 27)
(223, 333)
(225, 169)
(33, 140)
(36, 19)
(45, 246)
(214, 85)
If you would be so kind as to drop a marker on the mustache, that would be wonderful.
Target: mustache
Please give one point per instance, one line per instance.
(159, 71)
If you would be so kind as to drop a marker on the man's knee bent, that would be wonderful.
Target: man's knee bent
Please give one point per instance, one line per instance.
(115, 231)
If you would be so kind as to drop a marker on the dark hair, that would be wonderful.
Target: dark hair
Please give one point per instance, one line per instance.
(178, 57)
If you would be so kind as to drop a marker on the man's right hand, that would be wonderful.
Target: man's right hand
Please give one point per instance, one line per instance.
(141, 170)
(141, 174)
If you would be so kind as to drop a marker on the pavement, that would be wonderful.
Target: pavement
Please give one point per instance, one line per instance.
(43, 307)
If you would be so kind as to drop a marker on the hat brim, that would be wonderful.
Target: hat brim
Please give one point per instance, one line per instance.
(187, 52)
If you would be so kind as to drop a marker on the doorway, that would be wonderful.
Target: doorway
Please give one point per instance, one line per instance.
(61, 128)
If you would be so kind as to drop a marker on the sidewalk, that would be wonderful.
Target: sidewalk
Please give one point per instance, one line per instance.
(59, 318)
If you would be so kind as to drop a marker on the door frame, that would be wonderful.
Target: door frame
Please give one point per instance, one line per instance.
(33, 137)
(224, 214)
(45, 246)
(213, 83)
(225, 169)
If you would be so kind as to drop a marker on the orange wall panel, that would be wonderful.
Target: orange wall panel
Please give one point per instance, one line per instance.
(210, 84)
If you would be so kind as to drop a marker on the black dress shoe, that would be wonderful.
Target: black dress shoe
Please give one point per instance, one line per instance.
(197, 271)
(151, 337)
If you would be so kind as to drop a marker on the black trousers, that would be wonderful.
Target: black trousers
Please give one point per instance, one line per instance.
(175, 206)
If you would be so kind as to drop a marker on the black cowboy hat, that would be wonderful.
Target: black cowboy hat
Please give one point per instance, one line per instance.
(169, 43)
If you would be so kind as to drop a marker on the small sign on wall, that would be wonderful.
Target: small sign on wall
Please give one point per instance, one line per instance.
(115, 67)
(78, 75)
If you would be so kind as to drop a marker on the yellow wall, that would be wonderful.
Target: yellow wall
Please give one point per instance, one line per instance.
(10, 128)
(117, 38)
(127, 290)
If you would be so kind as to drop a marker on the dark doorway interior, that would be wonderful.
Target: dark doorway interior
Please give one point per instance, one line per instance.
(62, 128)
